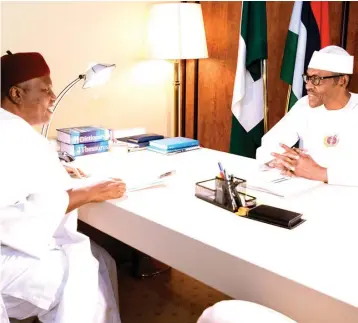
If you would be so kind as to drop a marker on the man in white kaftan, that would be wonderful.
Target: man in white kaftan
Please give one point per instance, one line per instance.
(326, 123)
(47, 268)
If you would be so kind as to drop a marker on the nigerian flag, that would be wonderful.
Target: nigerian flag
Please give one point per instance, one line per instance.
(248, 98)
(308, 31)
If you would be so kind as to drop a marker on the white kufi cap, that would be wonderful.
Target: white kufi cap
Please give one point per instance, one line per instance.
(334, 59)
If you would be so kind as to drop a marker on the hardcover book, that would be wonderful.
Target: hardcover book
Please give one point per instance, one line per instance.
(82, 135)
(172, 151)
(174, 143)
(85, 149)
(144, 138)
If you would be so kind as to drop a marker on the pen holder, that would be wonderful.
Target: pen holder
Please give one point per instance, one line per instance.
(220, 191)
(217, 192)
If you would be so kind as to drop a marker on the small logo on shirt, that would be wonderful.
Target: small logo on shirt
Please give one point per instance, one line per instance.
(331, 141)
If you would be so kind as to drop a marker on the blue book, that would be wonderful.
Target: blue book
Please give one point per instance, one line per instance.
(85, 149)
(82, 135)
(144, 138)
(173, 151)
(170, 144)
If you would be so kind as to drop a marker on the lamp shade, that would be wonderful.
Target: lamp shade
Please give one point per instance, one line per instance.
(98, 74)
(176, 31)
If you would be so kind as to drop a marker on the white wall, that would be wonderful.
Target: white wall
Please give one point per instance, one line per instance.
(71, 35)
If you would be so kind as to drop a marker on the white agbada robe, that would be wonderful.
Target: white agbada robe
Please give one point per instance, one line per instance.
(45, 262)
(329, 136)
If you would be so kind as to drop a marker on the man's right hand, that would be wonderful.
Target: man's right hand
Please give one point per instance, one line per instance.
(106, 190)
(277, 163)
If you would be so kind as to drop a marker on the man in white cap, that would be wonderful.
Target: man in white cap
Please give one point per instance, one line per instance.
(324, 121)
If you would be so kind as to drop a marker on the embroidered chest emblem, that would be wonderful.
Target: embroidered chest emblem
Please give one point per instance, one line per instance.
(331, 141)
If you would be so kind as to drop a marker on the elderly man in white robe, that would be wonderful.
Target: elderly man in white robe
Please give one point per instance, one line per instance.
(324, 121)
(47, 268)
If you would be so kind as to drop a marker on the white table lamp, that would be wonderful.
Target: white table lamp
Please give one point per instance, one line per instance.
(176, 31)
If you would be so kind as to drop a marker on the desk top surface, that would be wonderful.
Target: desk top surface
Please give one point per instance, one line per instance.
(320, 253)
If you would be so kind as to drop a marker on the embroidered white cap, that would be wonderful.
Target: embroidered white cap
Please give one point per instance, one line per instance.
(332, 58)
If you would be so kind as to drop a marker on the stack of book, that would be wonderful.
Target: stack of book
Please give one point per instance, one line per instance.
(140, 141)
(79, 141)
(174, 145)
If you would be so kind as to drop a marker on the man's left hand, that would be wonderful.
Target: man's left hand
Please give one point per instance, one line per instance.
(298, 163)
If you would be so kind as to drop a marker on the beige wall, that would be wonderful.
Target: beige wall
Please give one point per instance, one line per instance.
(71, 35)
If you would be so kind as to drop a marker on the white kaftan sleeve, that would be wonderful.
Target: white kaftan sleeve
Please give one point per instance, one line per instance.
(33, 197)
(286, 131)
(343, 170)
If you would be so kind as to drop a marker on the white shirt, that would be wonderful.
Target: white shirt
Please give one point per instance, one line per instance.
(329, 136)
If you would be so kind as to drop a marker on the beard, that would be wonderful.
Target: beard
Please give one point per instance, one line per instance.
(314, 100)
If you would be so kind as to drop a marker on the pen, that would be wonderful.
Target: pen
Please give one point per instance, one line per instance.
(228, 185)
(221, 170)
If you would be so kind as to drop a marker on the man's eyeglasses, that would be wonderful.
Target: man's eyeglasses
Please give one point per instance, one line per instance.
(316, 80)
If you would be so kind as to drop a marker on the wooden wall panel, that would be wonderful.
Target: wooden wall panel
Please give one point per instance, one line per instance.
(217, 73)
(335, 13)
(278, 19)
(352, 42)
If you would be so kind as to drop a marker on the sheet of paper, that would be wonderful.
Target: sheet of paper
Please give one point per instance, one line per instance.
(134, 172)
(271, 181)
(132, 185)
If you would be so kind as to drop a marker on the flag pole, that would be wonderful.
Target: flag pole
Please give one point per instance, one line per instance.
(344, 24)
(288, 97)
(264, 62)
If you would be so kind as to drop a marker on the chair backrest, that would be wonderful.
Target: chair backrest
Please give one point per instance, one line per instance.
(236, 311)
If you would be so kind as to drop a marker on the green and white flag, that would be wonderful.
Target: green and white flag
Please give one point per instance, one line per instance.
(294, 55)
(248, 98)
(309, 30)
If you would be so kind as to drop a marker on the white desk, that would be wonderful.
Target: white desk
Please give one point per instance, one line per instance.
(309, 273)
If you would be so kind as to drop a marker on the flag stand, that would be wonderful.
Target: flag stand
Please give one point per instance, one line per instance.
(264, 74)
(344, 24)
(288, 98)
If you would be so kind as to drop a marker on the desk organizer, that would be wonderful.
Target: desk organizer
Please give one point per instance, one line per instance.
(214, 192)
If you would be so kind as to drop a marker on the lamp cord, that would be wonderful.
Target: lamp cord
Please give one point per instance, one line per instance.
(45, 128)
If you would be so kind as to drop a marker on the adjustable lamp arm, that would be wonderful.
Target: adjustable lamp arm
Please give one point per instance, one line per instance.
(45, 128)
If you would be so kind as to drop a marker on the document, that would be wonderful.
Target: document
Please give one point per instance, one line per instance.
(272, 182)
(150, 180)
(135, 176)
(132, 184)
